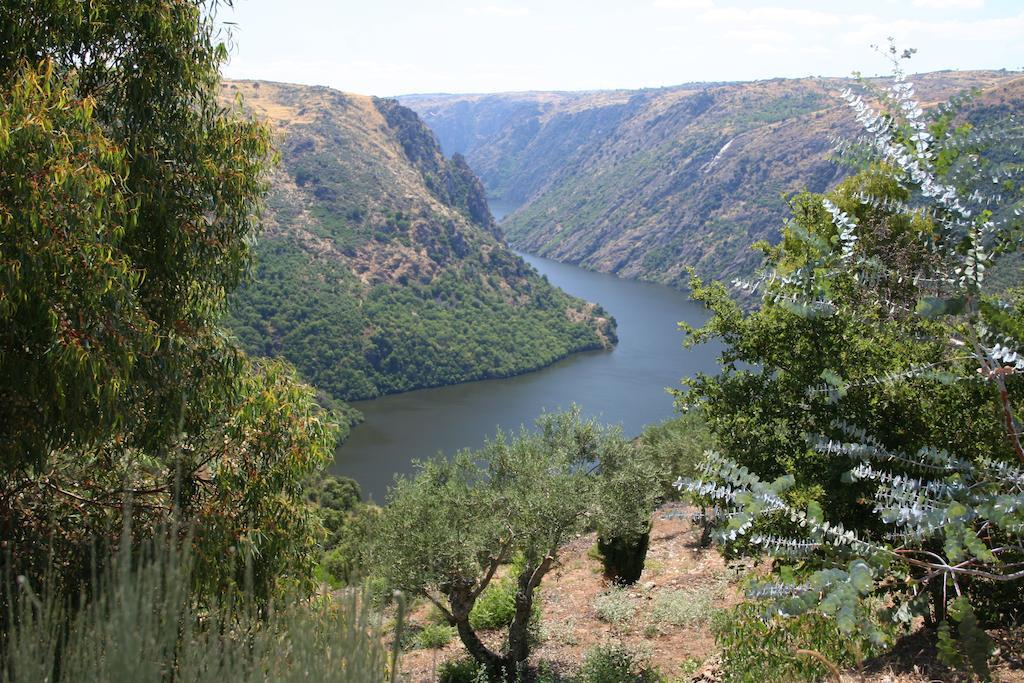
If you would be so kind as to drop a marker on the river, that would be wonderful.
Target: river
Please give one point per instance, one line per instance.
(624, 386)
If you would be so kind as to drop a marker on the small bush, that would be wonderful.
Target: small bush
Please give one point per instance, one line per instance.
(464, 670)
(562, 632)
(434, 636)
(547, 672)
(685, 607)
(614, 663)
(496, 606)
(755, 649)
(616, 607)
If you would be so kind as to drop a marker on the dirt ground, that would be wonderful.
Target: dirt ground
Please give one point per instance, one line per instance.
(677, 572)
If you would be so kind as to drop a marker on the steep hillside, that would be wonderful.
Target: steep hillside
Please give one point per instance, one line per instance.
(381, 269)
(643, 183)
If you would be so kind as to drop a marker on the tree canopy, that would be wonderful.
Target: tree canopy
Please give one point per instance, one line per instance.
(128, 202)
(867, 416)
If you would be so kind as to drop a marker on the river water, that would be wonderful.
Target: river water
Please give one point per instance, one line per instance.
(624, 386)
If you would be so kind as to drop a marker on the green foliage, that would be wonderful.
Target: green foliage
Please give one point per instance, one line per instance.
(686, 606)
(616, 606)
(462, 670)
(613, 663)
(129, 198)
(433, 636)
(445, 532)
(496, 606)
(140, 622)
(677, 446)
(348, 523)
(757, 647)
(356, 343)
(868, 412)
(972, 648)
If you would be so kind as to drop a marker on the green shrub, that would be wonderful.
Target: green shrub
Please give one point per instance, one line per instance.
(463, 670)
(616, 606)
(346, 560)
(496, 606)
(677, 445)
(756, 649)
(613, 663)
(434, 636)
(685, 607)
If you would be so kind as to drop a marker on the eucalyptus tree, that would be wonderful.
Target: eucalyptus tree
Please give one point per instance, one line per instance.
(129, 198)
(446, 532)
(868, 417)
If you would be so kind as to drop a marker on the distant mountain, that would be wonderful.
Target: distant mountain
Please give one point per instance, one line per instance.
(643, 183)
(381, 269)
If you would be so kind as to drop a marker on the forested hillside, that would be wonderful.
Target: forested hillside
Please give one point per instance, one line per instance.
(381, 269)
(644, 183)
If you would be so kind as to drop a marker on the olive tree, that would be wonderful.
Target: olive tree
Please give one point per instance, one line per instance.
(446, 532)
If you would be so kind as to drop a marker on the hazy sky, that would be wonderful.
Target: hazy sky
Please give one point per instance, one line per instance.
(390, 47)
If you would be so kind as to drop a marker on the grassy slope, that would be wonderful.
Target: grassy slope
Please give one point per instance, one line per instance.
(643, 183)
(380, 269)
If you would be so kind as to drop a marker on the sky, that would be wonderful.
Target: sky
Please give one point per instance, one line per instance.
(392, 47)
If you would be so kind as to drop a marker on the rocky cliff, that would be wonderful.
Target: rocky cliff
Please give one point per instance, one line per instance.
(644, 183)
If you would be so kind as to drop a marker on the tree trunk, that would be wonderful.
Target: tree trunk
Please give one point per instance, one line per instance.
(518, 630)
(462, 604)
(707, 526)
(476, 648)
(937, 589)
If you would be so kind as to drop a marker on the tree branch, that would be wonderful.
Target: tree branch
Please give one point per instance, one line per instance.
(444, 610)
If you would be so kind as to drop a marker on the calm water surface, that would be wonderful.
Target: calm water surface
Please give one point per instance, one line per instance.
(625, 386)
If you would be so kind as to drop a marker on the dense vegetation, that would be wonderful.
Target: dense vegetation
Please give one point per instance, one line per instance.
(151, 475)
(868, 418)
(382, 270)
(119, 391)
(356, 342)
(644, 183)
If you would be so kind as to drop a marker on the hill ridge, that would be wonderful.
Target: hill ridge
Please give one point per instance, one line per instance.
(381, 268)
(624, 181)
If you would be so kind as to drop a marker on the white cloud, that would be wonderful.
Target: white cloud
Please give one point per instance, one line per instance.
(914, 33)
(504, 11)
(773, 15)
(950, 4)
(683, 4)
